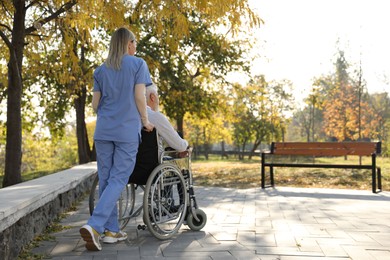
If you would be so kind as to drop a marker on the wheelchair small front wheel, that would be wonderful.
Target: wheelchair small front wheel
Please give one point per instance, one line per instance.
(192, 223)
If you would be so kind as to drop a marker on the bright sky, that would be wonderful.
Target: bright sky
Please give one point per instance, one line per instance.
(298, 40)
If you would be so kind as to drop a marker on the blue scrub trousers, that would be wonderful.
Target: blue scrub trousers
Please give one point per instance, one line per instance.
(115, 163)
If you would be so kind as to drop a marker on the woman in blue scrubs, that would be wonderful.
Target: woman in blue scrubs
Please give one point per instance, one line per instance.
(119, 101)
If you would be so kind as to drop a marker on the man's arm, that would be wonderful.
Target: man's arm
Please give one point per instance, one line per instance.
(166, 131)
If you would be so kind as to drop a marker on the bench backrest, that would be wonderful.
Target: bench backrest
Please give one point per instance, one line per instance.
(326, 148)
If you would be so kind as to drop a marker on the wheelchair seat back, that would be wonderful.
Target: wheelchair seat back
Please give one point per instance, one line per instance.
(147, 158)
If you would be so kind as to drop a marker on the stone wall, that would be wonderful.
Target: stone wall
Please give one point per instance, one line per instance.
(22, 227)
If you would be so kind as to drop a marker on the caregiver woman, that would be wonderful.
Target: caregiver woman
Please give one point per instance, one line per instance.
(119, 101)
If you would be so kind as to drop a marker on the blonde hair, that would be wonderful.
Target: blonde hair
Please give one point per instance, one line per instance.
(118, 47)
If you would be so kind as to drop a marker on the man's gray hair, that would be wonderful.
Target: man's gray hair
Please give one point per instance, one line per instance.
(150, 89)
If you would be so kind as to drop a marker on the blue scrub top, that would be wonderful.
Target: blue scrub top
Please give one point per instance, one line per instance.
(118, 118)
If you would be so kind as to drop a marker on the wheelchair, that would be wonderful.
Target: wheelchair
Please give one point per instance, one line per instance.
(168, 199)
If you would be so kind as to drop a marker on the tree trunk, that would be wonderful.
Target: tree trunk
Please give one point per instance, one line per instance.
(13, 150)
(206, 144)
(179, 122)
(196, 148)
(252, 152)
(13, 154)
(93, 154)
(206, 150)
(84, 149)
(311, 122)
(256, 144)
(241, 155)
(223, 152)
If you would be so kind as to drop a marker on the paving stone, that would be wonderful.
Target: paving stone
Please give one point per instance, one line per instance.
(285, 250)
(64, 245)
(358, 253)
(380, 254)
(285, 238)
(333, 251)
(282, 223)
(72, 257)
(311, 258)
(224, 236)
(44, 248)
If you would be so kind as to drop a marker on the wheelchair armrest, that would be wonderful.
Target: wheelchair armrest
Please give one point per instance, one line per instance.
(170, 152)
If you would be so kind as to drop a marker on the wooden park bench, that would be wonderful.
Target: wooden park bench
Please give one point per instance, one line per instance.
(281, 153)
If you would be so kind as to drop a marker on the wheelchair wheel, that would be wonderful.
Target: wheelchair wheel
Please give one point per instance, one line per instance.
(165, 201)
(94, 194)
(125, 202)
(192, 223)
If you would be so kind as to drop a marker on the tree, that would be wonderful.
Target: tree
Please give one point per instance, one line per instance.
(380, 102)
(259, 100)
(242, 118)
(70, 65)
(302, 122)
(270, 102)
(17, 30)
(347, 114)
(359, 88)
(259, 112)
(309, 116)
(309, 120)
(280, 92)
(338, 112)
(207, 131)
(190, 74)
(180, 93)
(22, 19)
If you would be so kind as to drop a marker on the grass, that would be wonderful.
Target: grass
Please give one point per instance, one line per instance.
(246, 174)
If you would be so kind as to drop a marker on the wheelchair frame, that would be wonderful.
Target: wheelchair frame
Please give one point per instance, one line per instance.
(169, 183)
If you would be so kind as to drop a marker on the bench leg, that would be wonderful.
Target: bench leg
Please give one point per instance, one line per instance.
(373, 173)
(262, 176)
(271, 175)
(379, 175)
(262, 171)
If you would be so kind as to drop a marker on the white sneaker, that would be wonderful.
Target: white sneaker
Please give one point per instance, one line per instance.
(112, 237)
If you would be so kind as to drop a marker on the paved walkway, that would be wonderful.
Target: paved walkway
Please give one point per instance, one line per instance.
(282, 223)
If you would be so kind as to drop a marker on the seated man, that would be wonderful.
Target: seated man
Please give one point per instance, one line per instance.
(147, 158)
(164, 128)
